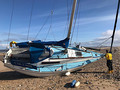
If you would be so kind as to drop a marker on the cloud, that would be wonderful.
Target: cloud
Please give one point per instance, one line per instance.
(95, 4)
(3, 46)
(96, 19)
(105, 39)
(15, 37)
(109, 33)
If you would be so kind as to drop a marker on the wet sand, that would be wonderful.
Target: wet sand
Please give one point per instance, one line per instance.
(91, 77)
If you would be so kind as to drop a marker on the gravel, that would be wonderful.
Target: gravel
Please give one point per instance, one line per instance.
(91, 77)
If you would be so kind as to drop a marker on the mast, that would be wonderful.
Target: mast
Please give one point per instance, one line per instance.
(72, 16)
(115, 26)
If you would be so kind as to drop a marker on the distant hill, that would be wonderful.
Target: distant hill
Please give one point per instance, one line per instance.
(3, 50)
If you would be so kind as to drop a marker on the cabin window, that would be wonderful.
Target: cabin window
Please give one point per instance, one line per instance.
(47, 53)
(95, 54)
(78, 53)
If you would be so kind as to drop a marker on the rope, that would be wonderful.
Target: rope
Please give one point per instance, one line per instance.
(11, 21)
(75, 21)
(33, 1)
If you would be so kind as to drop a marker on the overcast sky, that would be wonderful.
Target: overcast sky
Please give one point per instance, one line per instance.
(94, 23)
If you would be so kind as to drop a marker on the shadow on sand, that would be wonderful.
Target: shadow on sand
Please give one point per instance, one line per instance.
(13, 75)
(80, 71)
(89, 72)
(67, 85)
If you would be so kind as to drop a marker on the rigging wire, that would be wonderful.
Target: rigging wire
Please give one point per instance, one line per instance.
(50, 25)
(68, 13)
(52, 11)
(53, 33)
(75, 21)
(11, 18)
(78, 26)
(42, 27)
(33, 1)
(66, 26)
(103, 42)
(50, 28)
(45, 23)
(68, 16)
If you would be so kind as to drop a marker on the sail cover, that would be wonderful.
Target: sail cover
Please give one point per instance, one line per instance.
(39, 50)
(64, 43)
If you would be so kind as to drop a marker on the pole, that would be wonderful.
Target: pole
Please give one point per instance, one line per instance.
(72, 16)
(115, 26)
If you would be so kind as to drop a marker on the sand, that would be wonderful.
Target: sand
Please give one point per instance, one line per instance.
(2, 68)
(91, 77)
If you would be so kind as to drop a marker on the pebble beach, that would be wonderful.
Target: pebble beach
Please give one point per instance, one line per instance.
(91, 77)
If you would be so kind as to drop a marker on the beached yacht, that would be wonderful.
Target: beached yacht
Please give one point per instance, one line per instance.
(39, 58)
